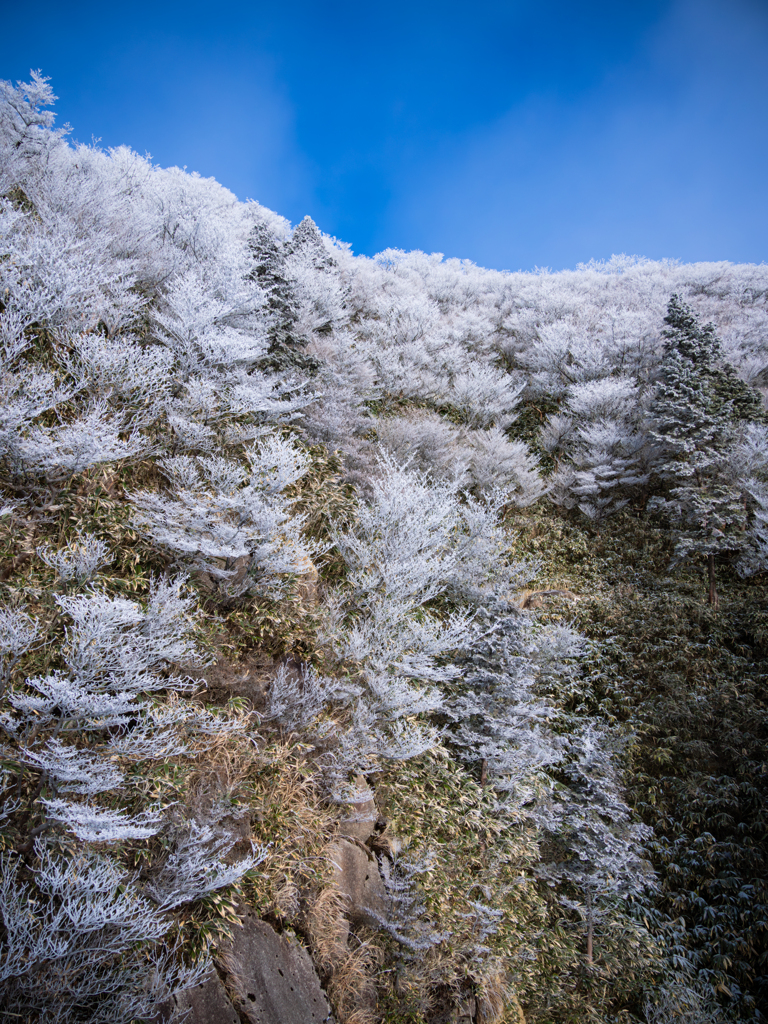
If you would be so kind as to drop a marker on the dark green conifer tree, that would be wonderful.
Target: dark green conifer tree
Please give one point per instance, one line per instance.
(698, 401)
(271, 272)
(269, 255)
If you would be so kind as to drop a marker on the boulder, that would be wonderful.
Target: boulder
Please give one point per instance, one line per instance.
(206, 1003)
(356, 873)
(271, 977)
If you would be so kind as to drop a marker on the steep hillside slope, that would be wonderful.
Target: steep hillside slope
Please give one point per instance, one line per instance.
(414, 611)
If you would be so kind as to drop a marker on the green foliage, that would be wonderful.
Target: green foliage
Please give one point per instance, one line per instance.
(691, 684)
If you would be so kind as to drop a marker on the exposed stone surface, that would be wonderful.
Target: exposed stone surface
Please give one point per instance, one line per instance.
(207, 1003)
(357, 877)
(271, 977)
(362, 815)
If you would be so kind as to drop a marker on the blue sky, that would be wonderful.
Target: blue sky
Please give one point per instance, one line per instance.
(512, 134)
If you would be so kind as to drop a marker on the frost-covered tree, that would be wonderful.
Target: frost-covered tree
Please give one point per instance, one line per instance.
(23, 119)
(599, 432)
(231, 523)
(80, 933)
(269, 255)
(598, 850)
(693, 426)
(415, 541)
(498, 719)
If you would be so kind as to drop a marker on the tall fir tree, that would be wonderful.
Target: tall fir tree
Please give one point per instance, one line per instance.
(698, 401)
(308, 243)
(272, 273)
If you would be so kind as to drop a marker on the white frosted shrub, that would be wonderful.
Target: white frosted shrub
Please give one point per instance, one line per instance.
(297, 697)
(345, 381)
(94, 438)
(121, 368)
(561, 483)
(749, 456)
(228, 410)
(599, 399)
(26, 393)
(101, 825)
(25, 127)
(389, 645)
(418, 538)
(78, 560)
(424, 440)
(76, 944)
(13, 341)
(116, 643)
(406, 739)
(564, 354)
(196, 865)
(77, 939)
(55, 275)
(79, 936)
(74, 770)
(400, 549)
(557, 432)
(212, 323)
(608, 457)
(485, 395)
(496, 463)
(228, 521)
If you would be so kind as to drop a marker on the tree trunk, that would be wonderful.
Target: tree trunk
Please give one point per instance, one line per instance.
(713, 598)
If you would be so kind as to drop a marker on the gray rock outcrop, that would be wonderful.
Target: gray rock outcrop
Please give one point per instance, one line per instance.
(207, 1003)
(271, 978)
(356, 874)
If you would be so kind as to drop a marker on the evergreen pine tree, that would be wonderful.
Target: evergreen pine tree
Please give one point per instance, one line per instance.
(271, 273)
(693, 415)
(308, 242)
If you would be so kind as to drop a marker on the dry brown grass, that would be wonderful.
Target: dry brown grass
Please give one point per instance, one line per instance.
(493, 998)
(352, 988)
(288, 814)
(221, 766)
(327, 928)
(350, 973)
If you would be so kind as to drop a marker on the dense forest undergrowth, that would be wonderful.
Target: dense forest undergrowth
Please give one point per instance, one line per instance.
(690, 682)
(311, 560)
